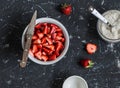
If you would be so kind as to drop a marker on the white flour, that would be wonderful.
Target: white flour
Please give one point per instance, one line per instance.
(114, 18)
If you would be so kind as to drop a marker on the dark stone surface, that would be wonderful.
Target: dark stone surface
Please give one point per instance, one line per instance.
(81, 25)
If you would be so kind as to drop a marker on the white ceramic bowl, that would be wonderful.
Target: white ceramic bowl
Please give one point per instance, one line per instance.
(75, 82)
(99, 23)
(49, 20)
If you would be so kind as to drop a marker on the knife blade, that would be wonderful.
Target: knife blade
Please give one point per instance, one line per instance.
(29, 34)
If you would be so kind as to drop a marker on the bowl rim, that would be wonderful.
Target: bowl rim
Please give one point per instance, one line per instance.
(100, 33)
(75, 76)
(66, 35)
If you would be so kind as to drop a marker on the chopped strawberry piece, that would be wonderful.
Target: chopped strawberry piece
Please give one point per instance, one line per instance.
(38, 55)
(59, 34)
(57, 53)
(38, 26)
(37, 41)
(87, 63)
(45, 44)
(53, 25)
(53, 30)
(43, 40)
(54, 35)
(45, 30)
(58, 38)
(58, 30)
(44, 53)
(39, 46)
(40, 35)
(48, 35)
(30, 52)
(59, 46)
(91, 48)
(34, 49)
(49, 40)
(48, 30)
(34, 37)
(51, 47)
(63, 40)
(44, 57)
(52, 57)
(47, 50)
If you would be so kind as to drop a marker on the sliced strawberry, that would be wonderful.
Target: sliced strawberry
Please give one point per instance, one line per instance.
(57, 53)
(53, 30)
(59, 46)
(37, 41)
(58, 30)
(43, 40)
(44, 57)
(48, 30)
(49, 40)
(53, 25)
(38, 26)
(34, 49)
(91, 48)
(34, 37)
(44, 53)
(39, 46)
(54, 35)
(60, 34)
(63, 40)
(45, 31)
(51, 47)
(40, 35)
(48, 35)
(45, 44)
(52, 57)
(86, 63)
(30, 52)
(38, 55)
(58, 38)
(47, 50)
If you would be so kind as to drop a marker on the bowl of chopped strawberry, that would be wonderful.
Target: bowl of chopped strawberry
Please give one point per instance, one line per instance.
(50, 41)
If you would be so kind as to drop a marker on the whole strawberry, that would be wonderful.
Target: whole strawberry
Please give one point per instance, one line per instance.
(86, 63)
(66, 9)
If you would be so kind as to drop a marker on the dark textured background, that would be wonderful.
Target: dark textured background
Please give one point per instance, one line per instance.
(81, 25)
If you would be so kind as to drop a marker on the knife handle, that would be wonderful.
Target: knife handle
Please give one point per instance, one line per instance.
(25, 52)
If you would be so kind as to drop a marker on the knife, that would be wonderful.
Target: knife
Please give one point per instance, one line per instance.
(29, 34)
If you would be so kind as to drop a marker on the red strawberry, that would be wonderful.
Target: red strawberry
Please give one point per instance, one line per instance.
(51, 47)
(58, 38)
(59, 34)
(38, 26)
(34, 49)
(49, 35)
(47, 50)
(44, 57)
(49, 40)
(52, 57)
(44, 53)
(45, 30)
(63, 40)
(34, 37)
(91, 48)
(53, 25)
(45, 44)
(39, 46)
(38, 55)
(58, 30)
(86, 63)
(54, 35)
(53, 30)
(37, 41)
(59, 46)
(66, 9)
(40, 35)
(43, 40)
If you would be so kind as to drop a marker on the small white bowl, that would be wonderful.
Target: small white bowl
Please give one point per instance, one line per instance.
(75, 82)
(49, 20)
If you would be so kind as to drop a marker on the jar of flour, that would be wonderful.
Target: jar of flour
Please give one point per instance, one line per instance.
(110, 34)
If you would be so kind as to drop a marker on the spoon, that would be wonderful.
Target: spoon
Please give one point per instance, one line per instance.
(99, 16)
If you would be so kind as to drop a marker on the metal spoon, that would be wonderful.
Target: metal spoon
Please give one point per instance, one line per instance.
(99, 16)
